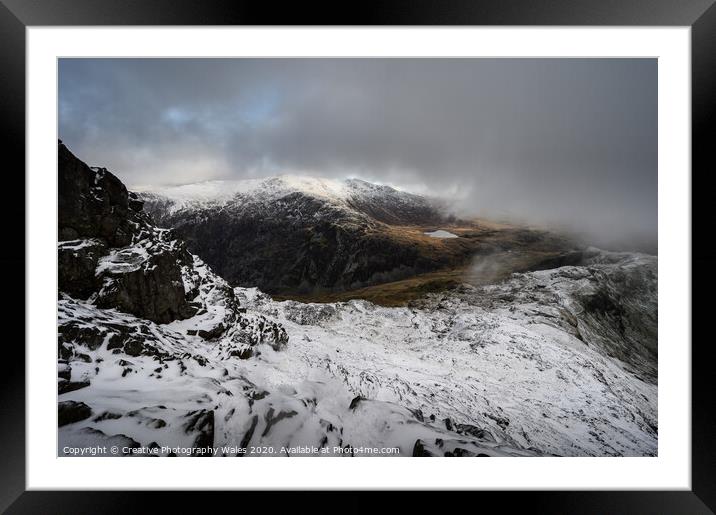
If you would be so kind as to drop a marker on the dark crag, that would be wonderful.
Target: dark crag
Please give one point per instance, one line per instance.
(97, 217)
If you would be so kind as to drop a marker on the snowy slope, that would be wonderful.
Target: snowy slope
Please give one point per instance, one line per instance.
(293, 197)
(213, 194)
(502, 370)
(507, 358)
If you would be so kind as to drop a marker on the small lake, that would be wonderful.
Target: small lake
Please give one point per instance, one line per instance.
(441, 234)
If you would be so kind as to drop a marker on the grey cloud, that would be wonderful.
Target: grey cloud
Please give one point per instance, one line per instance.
(570, 142)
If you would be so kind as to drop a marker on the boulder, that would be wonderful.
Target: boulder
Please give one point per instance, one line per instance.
(69, 412)
(154, 290)
(64, 386)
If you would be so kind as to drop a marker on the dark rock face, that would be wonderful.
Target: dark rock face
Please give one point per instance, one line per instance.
(154, 290)
(64, 386)
(92, 203)
(575, 258)
(77, 261)
(355, 401)
(419, 450)
(91, 337)
(272, 419)
(108, 247)
(621, 316)
(469, 429)
(69, 412)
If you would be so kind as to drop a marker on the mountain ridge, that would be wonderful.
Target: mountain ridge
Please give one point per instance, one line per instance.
(289, 234)
(297, 236)
(354, 197)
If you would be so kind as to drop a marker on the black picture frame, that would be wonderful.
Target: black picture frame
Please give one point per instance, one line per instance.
(17, 15)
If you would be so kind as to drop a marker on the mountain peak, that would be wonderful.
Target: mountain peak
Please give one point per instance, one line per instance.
(215, 193)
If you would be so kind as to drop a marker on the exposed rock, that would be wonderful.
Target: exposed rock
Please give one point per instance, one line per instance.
(135, 203)
(71, 411)
(130, 264)
(91, 336)
(355, 401)
(250, 432)
(258, 329)
(76, 264)
(244, 352)
(212, 333)
(272, 419)
(202, 423)
(64, 386)
(107, 415)
(419, 450)
(64, 371)
(91, 203)
(154, 290)
(620, 314)
(469, 429)
(97, 440)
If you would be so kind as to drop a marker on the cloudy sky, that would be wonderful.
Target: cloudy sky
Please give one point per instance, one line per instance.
(551, 141)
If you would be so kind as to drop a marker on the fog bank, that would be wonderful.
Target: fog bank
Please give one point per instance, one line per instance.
(568, 143)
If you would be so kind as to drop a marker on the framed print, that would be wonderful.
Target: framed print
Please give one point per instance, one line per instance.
(434, 233)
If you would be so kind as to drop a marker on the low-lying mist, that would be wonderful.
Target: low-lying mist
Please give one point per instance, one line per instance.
(587, 219)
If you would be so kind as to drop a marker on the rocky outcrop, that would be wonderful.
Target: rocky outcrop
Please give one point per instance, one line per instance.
(609, 301)
(76, 263)
(146, 280)
(110, 251)
(118, 259)
(619, 313)
(92, 203)
(71, 411)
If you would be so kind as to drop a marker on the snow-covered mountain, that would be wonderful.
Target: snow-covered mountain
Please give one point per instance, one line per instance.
(349, 197)
(292, 235)
(158, 355)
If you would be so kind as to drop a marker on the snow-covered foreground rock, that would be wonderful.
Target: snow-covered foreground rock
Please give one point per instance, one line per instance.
(176, 392)
(520, 368)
